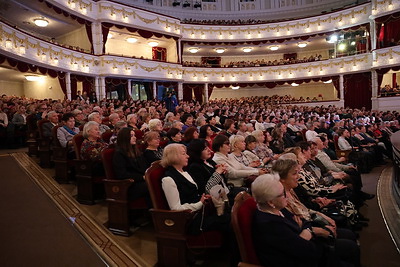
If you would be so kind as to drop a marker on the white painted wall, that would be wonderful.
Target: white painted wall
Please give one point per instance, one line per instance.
(76, 38)
(47, 88)
(311, 90)
(15, 88)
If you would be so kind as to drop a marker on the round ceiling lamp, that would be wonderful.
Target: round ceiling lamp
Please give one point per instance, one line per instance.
(220, 50)
(302, 45)
(131, 40)
(33, 78)
(274, 48)
(236, 87)
(193, 50)
(247, 49)
(152, 43)
(328, 81)
(41, 22)
(294, 84)
(342, 47)
(109, 36)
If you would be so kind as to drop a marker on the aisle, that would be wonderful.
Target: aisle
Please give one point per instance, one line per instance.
(377, 248)
(33, 231)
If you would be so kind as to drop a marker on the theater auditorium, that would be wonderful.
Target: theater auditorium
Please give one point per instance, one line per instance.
(200, 133)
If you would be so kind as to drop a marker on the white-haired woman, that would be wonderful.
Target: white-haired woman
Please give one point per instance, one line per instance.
(280, 238)
(93, 144)
(132, 121)
(181, 191)
(169, 119)
(157, 126)
(239, 154)
(262, 149)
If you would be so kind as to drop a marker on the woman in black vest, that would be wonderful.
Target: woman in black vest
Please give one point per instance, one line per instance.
(182, 193)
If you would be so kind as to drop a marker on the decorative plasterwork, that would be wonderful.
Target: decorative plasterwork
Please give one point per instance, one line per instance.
(386, 57)
(381, 8)
(287, 72)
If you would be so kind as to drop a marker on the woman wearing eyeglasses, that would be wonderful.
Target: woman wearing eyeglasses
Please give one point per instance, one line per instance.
(280, 239)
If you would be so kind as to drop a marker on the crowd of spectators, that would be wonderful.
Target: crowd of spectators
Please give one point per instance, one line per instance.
(257, 63)
(228, 22)
(388, 90)
(225, 145)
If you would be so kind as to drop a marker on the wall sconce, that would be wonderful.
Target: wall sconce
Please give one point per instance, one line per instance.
(55, 60)
(22, 49)
(8, 43)
(43, 56)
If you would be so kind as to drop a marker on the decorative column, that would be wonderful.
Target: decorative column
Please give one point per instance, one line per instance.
(205, 93)
(374, 88)
(155, 90)
(372, 26)
(68, 84)
(341, 90)
(130, 87)
(97, 37)
(97, 87)
(102, 88)
(180, 91)
(179, 44)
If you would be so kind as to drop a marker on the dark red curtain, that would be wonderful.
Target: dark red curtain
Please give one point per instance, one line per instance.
(387, 28)
(74, 88)
(210, 90)
(159, 53)
(357, 90)
(335, 82)
(89, 34)
(198, 93)
(63, 83)
(187, 92)
(104, 30)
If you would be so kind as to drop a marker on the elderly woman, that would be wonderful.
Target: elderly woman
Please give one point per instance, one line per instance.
(157, 126)
(280, 238)
(93, 144)
(169, 119)
(128, 163)
(132, 120)
(182, 193)
(236, 172)
(205, 172)
(346, 248)
(262, 149)
(153, 151)
(175, 136)
(238, 154)
(67, 131)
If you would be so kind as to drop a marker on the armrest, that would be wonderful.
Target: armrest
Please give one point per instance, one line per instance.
(117, 190)
(343, 153)
(171, 223)
(44, 142)
(60, 153)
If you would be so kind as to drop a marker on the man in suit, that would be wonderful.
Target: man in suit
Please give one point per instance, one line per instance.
(52, 116)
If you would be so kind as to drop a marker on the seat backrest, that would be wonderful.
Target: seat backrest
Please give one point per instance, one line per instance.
(77, 141)
(242, 219)
(56, 142)
(107, 156)
(40, 127)
(139, 134)
(336, 141)
(106, 136)
(164, 142)
(153, 178)
(303, 134)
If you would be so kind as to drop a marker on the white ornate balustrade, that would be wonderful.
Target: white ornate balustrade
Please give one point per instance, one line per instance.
(351, 64)
(386, 57)
(122, 14)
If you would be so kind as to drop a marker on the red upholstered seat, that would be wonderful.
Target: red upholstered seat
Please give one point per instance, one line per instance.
(107, 157)
(170, 226)
(77, 141)
(139, 134)
(242, 219)
(106, 136)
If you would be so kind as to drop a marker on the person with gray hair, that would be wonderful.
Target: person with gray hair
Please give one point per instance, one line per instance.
(113, 119)
(95, 116)
(92, 145)
(279, 237)
(47, 127)
(118, 126)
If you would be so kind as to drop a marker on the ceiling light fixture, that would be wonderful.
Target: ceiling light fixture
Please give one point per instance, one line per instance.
(328, 81)
(294, 84)
(247, 49)
(274, 48)
(109, 36)
(152, 43)
(193, 50)
(41, 22)
(33, 78)
(332, 39)
(220, 50)
(131, 40)
(342, 47)
(302, 45)
(235, 87)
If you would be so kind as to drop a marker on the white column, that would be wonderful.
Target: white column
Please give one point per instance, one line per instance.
(68, 84)
(102, 88)
(373, 34)
(179, 44)
(180, 91)
(130, 87)
(205, 93)
(97, 87)
(341, 88)
(154, 89)
(97, 37)
(374, 87)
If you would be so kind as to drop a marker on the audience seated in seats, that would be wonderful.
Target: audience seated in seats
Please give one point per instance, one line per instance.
(205, 132)
(236, 172)
(239, 153)
(262, 150)
(175, 136)
(169, 119)
(92, 146)
(79, 117)
(66, 132)
(95, 116)
(182, 193)
(345, 245)
(153, 151)
(242, 129)
(229, 126)
(157, 126)
(47, 127)
(214, 125)
(187, 120)
(129, 163)
(131, 119)
(118, 126)
(190, 134)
